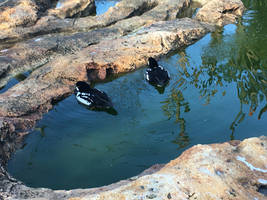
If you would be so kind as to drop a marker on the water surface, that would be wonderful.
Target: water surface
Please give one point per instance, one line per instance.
(217, 93)
(102, 6)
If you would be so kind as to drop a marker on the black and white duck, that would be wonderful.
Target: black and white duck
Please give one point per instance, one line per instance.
(156, 75)
(91, 97)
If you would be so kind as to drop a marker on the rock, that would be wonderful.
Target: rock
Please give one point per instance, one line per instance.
(43, 5)
(202, 2)
(33, 53)
(17, 13)
(51, 24)
(56, 79)
(221, 12)
(72, 8)
(217, 171)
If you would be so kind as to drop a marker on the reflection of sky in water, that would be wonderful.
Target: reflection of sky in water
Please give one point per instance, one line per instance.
(248, 15)
(102, 6)
(230, 29)
(13, 81)
(59, 4)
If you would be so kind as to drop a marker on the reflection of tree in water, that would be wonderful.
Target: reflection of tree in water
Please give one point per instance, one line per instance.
(239, 58)
(175, 105)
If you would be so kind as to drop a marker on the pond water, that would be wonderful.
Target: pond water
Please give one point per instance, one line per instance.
(217, 93)
(13, 81)
(102, 6)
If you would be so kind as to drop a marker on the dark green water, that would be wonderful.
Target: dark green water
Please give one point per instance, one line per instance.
(217, 93)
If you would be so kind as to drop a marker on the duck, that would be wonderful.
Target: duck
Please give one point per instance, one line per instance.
(91, 97)
(155, 74)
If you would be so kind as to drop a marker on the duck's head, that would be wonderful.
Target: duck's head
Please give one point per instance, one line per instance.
(82, 86)
(152, 63)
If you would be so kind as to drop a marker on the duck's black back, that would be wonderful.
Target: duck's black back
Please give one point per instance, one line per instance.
(99, 99)
(157, 76)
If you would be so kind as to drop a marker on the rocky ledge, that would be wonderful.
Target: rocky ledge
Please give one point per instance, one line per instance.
(62, 44)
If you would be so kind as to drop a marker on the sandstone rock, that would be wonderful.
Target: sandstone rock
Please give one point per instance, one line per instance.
(43, 5)
(38, 51)
(202, 2)
(17, 13)
(221, 12)
(52, 24)
(72, 8)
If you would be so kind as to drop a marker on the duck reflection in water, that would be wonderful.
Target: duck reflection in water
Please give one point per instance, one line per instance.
(93, 99)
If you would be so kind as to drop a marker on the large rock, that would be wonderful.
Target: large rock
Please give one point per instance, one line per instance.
(204, 172)
(17, 13)
(52, 24)
(72, 8)
(221, 12)
(35, 52)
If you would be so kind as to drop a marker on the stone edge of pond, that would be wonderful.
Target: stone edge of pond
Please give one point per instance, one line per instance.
(14, 127)
(228, 170)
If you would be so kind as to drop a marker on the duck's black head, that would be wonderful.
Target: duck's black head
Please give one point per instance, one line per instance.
(152, 62)
(82, 86)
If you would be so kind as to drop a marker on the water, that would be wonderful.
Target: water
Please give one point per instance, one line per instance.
(13, 81)
(217, 93)
(102, 6)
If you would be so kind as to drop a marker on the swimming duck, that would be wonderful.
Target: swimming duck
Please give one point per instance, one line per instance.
(155, 74)
(91, 97)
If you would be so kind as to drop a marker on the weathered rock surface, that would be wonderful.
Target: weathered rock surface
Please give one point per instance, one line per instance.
(204, 172)
(17, 13)
(38, 51)
(52, 24)
(221, 12)
(25, 13)
(72, 8)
